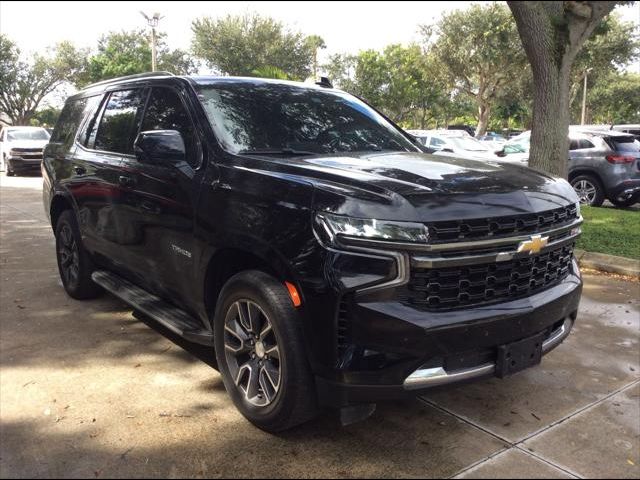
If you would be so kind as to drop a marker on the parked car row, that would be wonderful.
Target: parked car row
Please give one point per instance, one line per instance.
(604, 161)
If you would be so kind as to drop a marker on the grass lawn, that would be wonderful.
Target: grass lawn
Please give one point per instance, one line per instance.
(611, 230)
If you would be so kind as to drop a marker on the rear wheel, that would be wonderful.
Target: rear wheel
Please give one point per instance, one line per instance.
(589, 190)
(260, 353)
(74, 264)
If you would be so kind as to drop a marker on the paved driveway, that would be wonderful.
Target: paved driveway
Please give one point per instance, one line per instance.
(87, 390)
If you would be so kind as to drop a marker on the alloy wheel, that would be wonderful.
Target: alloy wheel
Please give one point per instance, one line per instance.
(252, 353)
(586, 191)
(69, 255)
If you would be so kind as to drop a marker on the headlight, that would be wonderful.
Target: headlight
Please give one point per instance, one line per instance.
(578, 208)
(372, 229)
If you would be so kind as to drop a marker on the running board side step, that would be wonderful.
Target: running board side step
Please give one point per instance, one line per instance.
(176, 320)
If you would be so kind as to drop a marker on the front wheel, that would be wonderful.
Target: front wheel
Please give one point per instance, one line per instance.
(260, 352)
(589, 190)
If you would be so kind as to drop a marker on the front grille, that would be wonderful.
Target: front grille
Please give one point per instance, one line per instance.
(460, 287)
(483, 228)
(28, 153)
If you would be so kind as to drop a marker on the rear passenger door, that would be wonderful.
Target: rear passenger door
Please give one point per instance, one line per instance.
(100, 183)
(163, 197)
(583, 153)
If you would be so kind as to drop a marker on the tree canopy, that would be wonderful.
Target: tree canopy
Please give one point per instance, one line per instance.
(24, 83)
(238, 45)
(129, 52)
(480, 50)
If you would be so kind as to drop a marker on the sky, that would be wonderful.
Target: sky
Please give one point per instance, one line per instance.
(345, 26)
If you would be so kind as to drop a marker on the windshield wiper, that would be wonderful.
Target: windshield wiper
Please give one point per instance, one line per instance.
(277, 151)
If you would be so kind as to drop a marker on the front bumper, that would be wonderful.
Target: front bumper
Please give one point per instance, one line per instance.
(625, 189)
(432, 349)
(23, 164)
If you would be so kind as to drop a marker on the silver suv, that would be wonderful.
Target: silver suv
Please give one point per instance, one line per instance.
(603, 164)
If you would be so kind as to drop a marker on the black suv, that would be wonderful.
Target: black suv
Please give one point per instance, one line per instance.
(305, 237)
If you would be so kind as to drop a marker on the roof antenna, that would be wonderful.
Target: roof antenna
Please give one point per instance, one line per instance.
(324, 82)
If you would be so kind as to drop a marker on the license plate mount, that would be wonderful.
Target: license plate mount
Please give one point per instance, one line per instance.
(517, 356)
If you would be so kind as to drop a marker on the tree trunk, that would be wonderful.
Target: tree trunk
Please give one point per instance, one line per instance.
(484, 112)
(550, 125)
(552, 33)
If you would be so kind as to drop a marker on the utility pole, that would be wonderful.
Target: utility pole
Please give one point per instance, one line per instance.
(584, 96)
(153, 23)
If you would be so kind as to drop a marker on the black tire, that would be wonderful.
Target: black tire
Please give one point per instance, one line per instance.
(295, 400)
(10, 172)
(74, 265)
(589, 190)
(632, 200)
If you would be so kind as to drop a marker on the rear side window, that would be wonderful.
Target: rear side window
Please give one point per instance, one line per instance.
(580, 144)
(71, 118)
(625, 145)
(165, 111)
(120, 121)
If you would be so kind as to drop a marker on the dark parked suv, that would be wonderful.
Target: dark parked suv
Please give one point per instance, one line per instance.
(306, 238)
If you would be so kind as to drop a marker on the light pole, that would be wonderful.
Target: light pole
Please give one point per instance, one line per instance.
(153, 23)
(584, 96)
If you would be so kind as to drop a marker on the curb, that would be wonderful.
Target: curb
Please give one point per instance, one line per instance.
(608, 263)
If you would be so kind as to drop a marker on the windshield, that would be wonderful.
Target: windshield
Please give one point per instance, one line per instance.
(467, 143)
(28, 134)
(268, 117)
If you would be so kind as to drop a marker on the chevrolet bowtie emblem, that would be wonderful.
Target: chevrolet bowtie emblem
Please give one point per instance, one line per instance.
(534, 245)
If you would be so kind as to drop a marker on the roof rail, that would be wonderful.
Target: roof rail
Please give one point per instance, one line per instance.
(130, 77)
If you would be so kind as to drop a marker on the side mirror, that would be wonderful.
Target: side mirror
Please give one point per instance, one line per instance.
(160, 147)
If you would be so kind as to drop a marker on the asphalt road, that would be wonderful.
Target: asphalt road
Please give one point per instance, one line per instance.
(87, 390)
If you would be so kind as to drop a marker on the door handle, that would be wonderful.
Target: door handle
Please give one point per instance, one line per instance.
(150, 207)
(125, 181)
(79, 170)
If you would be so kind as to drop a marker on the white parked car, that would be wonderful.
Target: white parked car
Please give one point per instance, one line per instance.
(453, 143)
(516, 150)
(21, 148)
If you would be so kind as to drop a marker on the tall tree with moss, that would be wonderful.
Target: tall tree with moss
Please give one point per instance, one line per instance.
(26, 81)
(553, 33)
(480, 51)
(613, 45)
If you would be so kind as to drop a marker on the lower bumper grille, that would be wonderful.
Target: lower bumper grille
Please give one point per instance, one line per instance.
(460, 287)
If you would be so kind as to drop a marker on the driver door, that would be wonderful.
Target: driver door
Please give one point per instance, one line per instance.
(162, 197)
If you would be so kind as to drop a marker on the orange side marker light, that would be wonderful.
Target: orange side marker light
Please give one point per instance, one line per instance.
(293, 293)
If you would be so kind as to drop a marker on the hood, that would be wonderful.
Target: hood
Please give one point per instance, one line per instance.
(414, 186)
(27, 143)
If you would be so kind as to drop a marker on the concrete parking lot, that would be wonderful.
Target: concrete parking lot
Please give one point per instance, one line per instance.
(88, 390)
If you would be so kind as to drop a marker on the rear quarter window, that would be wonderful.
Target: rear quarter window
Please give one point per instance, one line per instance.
(71, 118)
(627, 145)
